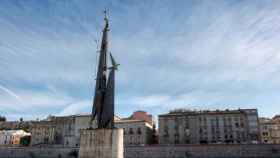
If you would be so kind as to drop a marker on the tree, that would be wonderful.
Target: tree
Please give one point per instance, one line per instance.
(2, 118)
(154, 135)
(25, 141)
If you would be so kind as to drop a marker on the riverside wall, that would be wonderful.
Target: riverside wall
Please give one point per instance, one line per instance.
(154, 151)
(204, 151)
(38, 152)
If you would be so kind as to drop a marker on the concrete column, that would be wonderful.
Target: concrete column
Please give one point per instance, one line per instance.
(101, 143)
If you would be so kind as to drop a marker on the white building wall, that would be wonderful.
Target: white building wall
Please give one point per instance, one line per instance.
(11, 137)
(135, 132)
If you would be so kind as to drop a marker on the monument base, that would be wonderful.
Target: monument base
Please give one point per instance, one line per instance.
(101, 143)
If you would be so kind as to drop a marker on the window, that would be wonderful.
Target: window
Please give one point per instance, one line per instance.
(130, 131)
(176, 138)
(139, 131)
(265, 133)
(236, 124)
(187, 123)
(176, 127)
(200, 130)
(166, 134)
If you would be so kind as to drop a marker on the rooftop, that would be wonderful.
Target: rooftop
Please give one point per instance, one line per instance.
(177, 112)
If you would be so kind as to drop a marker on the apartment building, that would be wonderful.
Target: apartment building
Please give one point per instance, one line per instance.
(209, 127)
(270, 130)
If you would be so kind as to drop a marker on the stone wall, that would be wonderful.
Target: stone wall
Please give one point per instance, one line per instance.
(157, 151)
(38, 152)
(203, 151)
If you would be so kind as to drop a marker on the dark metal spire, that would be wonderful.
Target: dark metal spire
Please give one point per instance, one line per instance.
(103, 103)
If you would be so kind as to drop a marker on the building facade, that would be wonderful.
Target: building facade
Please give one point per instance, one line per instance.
(136, 132)
(12, 137)
(60, 131)
(42, 132)
(65, 130)
(270, 130)
(209, 127)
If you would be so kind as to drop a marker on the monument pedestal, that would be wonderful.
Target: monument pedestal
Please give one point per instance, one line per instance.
(101, 143)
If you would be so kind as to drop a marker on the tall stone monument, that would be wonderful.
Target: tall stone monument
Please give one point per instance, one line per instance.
(104, 141)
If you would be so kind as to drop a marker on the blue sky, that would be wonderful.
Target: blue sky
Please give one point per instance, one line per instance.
(173, 54)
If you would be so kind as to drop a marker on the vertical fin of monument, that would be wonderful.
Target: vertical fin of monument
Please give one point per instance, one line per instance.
(108, 119)
(110, 96)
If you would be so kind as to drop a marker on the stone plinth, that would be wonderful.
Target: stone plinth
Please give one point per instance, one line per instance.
(101, 143)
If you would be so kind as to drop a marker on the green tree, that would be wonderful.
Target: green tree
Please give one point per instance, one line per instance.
(2, 118)
(154, 135)
(25, 141)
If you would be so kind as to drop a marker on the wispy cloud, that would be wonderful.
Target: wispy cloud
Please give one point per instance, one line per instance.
(76, 108)
(172, 54)
(11, 93)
